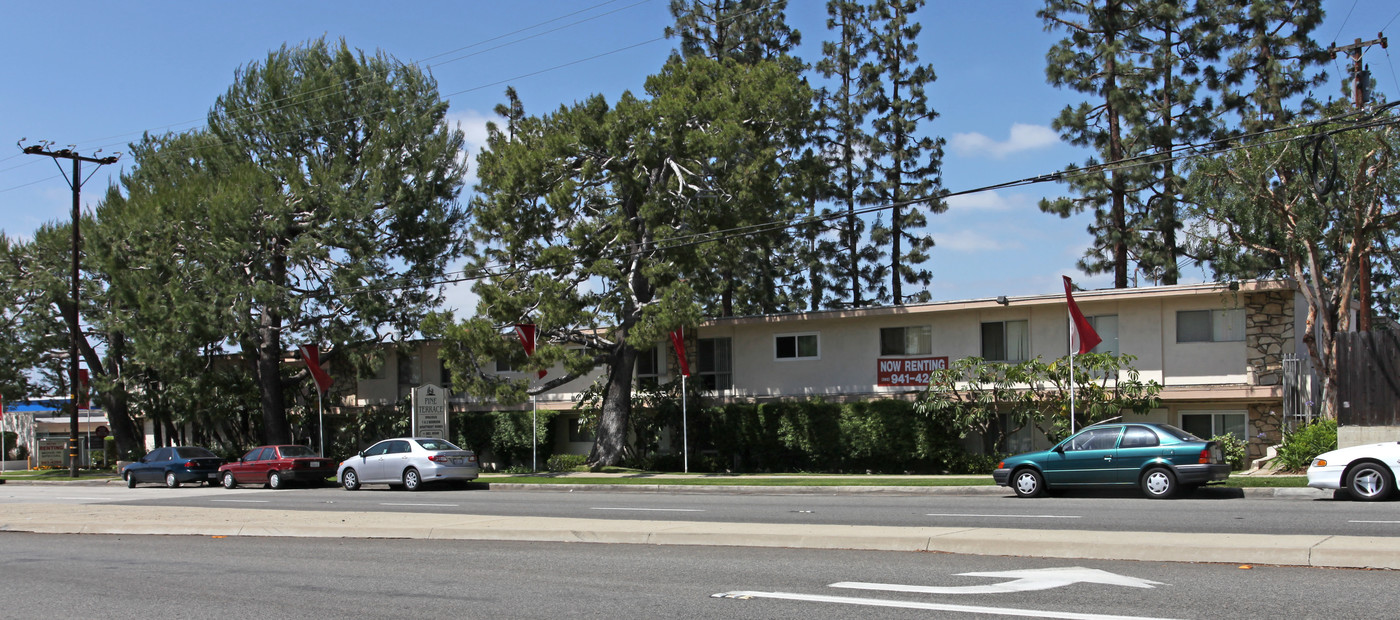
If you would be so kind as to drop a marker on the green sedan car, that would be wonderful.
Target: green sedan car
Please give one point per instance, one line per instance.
(1160, 459)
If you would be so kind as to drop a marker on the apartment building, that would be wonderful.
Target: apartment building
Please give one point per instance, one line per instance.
(1228, 355)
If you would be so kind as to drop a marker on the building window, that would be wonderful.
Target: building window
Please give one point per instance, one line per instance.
(648, 367)
(1210, 325)
(1210, 424)
(796, 346)
(1006, 341)
(578, 433)
(715, 364)
(503, 364)
(1106, 326)
(408, 370)
(906, 340)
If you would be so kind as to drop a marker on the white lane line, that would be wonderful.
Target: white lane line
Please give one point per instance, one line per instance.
(950, 514)
(242, 501)
(654, 509)
(87, 499)
(1373, 521)
(971, 609)
(438, 505)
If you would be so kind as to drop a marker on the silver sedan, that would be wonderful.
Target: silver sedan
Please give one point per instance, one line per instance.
(409, 462)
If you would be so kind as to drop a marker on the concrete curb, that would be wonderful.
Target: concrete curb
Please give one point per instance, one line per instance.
(1318, 551)
(1215, 492)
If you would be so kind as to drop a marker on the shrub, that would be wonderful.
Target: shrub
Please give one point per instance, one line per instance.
(565, 462)
(1235, 449)
(1300, 446)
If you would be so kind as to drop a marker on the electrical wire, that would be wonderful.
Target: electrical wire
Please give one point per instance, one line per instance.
(683, 241)
(312, 95)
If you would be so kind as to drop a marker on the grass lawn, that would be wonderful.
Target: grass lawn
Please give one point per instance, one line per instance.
(58, 474)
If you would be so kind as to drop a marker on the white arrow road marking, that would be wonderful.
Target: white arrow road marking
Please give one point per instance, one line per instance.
(971, 609)
(241, 501)
(1022, 581)
(951, 514)
(654, 509)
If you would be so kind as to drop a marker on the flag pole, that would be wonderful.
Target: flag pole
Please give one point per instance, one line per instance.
(1071, 378)
(685, 426)
(534, 435)
(321, 420)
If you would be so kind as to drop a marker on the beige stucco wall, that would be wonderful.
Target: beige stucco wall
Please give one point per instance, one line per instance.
(1348, 436)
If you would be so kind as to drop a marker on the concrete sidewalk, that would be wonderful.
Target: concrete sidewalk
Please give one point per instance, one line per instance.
(1322, 551)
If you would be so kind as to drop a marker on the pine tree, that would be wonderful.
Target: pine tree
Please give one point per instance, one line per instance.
(904, 165)
(1097, 59)
(767, 273)
(843, 138)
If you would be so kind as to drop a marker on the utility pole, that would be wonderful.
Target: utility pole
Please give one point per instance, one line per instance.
(1360, 79)
(74, 331)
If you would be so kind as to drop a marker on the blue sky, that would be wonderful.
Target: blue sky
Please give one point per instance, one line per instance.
(98, 74)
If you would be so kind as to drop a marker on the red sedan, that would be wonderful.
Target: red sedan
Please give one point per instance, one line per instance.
(277, 466)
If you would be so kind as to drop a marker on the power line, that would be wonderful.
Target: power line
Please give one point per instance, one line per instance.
(311, 96)
(674, 243)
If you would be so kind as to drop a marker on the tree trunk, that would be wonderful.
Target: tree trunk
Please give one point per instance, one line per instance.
(611, 438)
(269, 376)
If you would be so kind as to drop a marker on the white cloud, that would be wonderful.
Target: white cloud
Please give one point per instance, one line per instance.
(990, 201)
(972, 241)
(1023, 138)
(473, 126)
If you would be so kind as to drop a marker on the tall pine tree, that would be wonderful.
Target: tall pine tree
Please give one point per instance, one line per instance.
(905, 164)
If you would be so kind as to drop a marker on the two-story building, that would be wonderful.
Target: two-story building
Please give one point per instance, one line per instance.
(1227, 355)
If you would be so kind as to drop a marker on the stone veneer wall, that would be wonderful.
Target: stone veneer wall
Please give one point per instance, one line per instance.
(1265, 429)
(1268, 336)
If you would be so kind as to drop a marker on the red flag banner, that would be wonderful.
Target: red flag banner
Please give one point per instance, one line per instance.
(678, 340)
(526, 332)
(84, 389)
(312, 355)
(1082, 336)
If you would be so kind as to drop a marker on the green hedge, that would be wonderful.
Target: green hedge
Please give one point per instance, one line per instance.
(878, 436)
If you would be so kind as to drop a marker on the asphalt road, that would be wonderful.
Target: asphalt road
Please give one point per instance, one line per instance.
(1208, 513)
(106, 576)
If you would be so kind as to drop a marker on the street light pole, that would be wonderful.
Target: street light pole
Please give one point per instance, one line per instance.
(76, 183)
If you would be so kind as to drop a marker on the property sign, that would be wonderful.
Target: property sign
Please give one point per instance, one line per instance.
(908, 371)
(51, 452)
(430, 412)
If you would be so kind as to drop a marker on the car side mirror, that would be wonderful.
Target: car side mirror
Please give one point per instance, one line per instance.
(362, 454)
(1060, 448)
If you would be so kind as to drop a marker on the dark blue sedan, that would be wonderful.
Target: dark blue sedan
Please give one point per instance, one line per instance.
(1160, 459)
(173, 466)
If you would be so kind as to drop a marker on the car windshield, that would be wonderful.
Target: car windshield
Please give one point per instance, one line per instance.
(296, 451)
(195, 453)
(1179, 434)
(436, 444)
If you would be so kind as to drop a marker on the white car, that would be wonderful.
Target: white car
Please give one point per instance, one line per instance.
(1367, 472)
(409, 462)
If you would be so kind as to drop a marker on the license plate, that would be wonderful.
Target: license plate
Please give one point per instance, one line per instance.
(315, 463)
(457, 461)
(214, 476)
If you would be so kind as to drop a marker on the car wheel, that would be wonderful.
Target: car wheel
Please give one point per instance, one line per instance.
(1028, 482)
(350, 480)
(275, 480)
(1370, 482)
(411, 480)
(171, 481)
(229, 482)
(1159, 483)
(130, 480)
